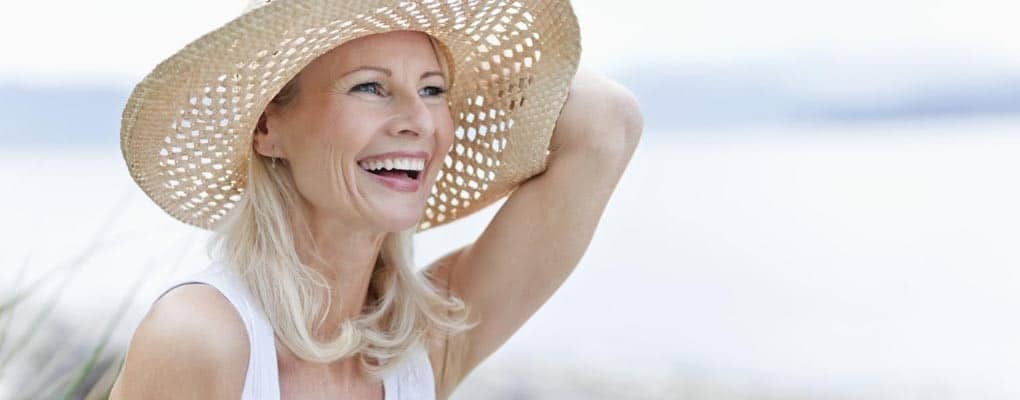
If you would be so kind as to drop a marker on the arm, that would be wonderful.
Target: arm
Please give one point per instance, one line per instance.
(544, 227)
(191, 345)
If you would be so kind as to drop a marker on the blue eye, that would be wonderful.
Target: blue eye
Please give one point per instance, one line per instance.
(368, 84)
(438, 90)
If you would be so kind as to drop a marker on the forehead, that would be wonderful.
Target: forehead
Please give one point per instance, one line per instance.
(410, 49)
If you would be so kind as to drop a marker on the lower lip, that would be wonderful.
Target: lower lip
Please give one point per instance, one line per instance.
(399, 184)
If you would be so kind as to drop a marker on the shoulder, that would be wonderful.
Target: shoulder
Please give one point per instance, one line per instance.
(191, 344)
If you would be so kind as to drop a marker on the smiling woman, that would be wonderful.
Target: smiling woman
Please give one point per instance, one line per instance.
(340, 213)
(370, 131)
(372, 100)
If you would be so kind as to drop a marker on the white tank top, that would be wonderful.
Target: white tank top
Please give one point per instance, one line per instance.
(413, 380)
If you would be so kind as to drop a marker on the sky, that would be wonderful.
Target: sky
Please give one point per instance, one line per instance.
(690, 63)
(118, 41)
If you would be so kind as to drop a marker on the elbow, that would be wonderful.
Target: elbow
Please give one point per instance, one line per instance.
(601, 119)
(633, 121)
(626, 122)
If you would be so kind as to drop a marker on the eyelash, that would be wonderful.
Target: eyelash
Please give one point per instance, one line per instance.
(439, 90)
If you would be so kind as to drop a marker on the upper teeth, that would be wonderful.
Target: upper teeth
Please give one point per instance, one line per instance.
(412, 164)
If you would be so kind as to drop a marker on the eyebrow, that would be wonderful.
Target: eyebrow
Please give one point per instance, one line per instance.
(390, 73)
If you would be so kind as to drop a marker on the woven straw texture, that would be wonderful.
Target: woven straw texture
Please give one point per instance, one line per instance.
(186, 131)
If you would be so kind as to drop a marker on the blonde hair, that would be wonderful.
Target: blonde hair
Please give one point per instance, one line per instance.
(256, 240)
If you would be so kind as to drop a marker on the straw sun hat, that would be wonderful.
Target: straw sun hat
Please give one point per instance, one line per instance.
(187, 129)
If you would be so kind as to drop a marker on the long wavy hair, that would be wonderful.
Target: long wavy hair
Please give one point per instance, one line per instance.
(256, 240)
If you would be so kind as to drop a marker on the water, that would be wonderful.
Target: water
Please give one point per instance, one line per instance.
(796, 261)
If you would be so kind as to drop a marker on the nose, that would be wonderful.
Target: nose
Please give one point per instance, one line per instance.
(413, 116)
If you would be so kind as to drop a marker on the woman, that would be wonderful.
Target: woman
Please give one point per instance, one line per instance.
(312, 294)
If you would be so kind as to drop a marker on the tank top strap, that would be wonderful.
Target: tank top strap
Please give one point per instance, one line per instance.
(262, 378)
(414, 379)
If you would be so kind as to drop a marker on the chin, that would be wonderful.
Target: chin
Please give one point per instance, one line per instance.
(403, 221)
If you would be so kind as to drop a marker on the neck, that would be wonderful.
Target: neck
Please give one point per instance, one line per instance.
(347, 255)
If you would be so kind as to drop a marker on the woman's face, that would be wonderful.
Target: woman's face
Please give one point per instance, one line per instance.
(371, 96)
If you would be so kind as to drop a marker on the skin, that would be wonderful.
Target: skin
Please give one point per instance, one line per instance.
(340, 117)
(331, 124)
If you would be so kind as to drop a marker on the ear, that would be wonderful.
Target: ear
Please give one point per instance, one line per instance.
(266, 143)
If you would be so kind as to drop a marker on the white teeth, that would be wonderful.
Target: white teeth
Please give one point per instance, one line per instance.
(413, 164)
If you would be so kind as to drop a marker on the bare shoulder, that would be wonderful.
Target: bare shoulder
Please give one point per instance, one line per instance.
(191, 344)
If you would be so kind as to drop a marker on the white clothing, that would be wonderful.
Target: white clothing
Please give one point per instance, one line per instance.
(413, 380)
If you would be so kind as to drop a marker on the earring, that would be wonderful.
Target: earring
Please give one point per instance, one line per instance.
(274, 157)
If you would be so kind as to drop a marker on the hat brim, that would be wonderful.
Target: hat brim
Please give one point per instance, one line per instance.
(186, 130)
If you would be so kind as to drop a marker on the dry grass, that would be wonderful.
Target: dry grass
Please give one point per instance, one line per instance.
(44, 357)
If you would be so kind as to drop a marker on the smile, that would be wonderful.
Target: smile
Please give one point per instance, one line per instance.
(400, 175)
(395, 167)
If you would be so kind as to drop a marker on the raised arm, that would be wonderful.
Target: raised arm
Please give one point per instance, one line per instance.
(544, 227)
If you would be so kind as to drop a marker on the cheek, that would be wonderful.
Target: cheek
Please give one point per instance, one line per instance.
(324, 150)
(350, 133)
(444, 131)
(444, 142)
(312, 132)
(348, 130)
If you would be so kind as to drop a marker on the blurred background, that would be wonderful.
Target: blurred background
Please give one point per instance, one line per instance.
(823, 204)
